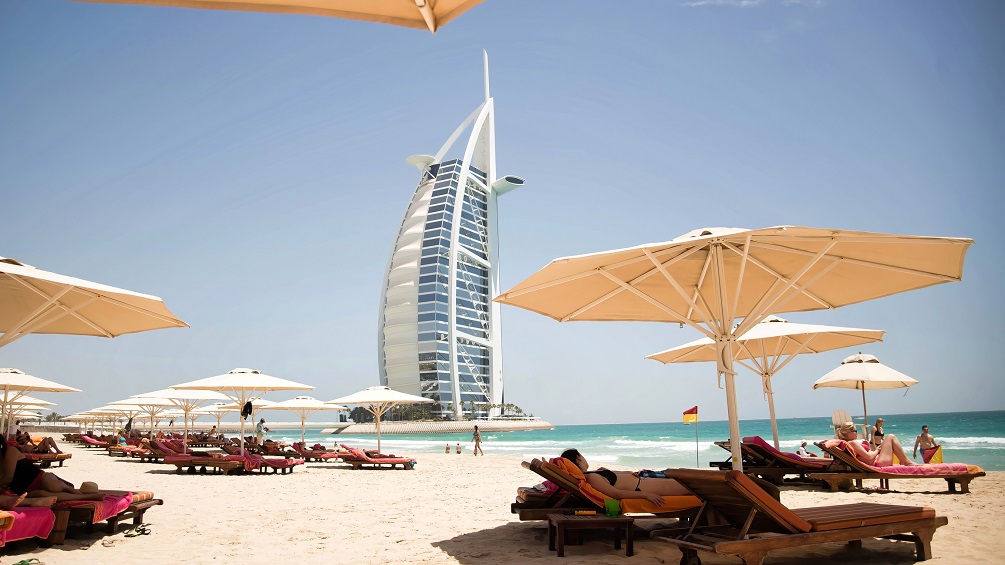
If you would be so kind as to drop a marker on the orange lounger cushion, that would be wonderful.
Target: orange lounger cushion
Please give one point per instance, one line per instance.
(6, 520)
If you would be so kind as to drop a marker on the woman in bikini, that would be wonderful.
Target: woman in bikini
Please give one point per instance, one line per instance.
(877, 433)
(21, 476)
(878, 457)
(625, 484)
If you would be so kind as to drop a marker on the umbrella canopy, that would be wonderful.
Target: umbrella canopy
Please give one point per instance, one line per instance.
(242, 385)
(864, 372)
(710, 278)
(421, 14)
(37, 301)
(185, 400)
(149, 406)
(377, 400)
(14, 384)
(31, 401)
(769, 346)
(304, 406)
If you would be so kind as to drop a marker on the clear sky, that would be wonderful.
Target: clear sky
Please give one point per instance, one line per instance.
(248, 168)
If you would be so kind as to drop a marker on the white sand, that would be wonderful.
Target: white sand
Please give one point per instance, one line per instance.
(450, 509)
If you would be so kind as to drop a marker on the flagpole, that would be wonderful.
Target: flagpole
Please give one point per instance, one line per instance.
(696, 445)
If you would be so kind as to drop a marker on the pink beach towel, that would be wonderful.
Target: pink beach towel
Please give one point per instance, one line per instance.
(28, 523)
(925, 469)
(112, 505)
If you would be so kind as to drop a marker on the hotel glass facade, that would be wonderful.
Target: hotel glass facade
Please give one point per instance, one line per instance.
(439, 333)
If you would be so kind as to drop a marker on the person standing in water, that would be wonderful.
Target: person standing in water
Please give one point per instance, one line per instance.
(477, 438)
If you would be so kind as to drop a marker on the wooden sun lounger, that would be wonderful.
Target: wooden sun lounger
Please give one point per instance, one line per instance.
(359, 458)
(756, 523)
(757, 463)
(219, 465)
(84, 515)
(91, 442)
(857, 470)
(47, 459)
(569, 497)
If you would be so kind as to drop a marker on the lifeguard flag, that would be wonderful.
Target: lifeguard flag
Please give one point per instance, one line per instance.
(691, 415)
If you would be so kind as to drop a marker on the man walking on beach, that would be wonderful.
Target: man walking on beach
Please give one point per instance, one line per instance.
(927, 443)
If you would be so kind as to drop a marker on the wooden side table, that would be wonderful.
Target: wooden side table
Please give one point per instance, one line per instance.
(559, 523)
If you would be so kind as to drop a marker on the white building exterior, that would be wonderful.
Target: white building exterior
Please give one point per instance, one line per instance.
(439, 334)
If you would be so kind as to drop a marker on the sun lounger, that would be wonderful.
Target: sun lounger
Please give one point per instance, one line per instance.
(954, 473)
(47, 459)
(313, 454)
(574, 493)
(91, 442)
(756, 523)
(763, 460)
(117, 506)
(360, 459)
(200, 464)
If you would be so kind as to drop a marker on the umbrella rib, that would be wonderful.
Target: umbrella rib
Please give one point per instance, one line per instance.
(655, 303)
(725, 319)
(427, 14)
(762, 265)
(680, 290)
(701, 281)
(55, 302)
(744, 257)
(769, 299)
(863, 262)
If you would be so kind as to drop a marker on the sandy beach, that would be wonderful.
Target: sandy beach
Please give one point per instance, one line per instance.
(450, 509)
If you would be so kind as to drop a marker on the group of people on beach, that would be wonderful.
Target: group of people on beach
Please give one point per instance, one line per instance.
(24, 483)
(476, 437)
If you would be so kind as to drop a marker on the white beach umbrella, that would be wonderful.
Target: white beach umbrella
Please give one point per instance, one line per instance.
(37, 301)
(769, 346)
(864, 372)
(419, 14)
(377, 400)
(242, 385)
(149, 406)
(711, 278)
(185, 400)
(304, 406)
(31, 401)
(14, 384)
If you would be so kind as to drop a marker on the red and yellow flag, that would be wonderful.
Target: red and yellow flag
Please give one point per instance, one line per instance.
(691, 415)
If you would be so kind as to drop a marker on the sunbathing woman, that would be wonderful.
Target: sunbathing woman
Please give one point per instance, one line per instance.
(47, 445)
(22, 476)
(881, 457)
(625, 484)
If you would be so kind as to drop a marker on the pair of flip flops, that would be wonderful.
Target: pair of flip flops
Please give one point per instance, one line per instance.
(141, 530)
(31, 561)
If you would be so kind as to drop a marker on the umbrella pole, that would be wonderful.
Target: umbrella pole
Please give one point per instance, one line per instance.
(865, 415)
(771, 411)
(725, 361)
(303, 431)
(377, 415)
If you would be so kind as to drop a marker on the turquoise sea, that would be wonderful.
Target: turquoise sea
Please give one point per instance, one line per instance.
(976, 438)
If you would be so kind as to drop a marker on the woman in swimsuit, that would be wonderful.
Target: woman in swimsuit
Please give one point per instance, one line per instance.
(22, 476)
(625, 484)
(877, 433)
(878, 457)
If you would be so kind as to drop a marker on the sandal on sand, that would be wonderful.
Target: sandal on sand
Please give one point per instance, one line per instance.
(141, 530)
(31, 561)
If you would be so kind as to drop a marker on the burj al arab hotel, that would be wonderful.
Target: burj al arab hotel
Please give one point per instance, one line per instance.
(439, 332)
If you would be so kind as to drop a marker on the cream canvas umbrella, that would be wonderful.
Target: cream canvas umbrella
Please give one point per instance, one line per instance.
(769, 346)
(14, 384)
(377, 400)
(304, 406)
(242, 385)
(152, 407)
(37, 301)
(185, 400)
(421, 14)
(864, 372)
(711, 278)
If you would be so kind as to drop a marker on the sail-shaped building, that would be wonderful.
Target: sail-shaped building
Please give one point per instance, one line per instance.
(439, 331)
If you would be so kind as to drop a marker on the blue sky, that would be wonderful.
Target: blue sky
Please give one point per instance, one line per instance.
(248, 168)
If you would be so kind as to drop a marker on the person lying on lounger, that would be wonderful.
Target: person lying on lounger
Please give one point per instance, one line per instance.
(20, 476)
(26, 445)
(625, 484)
(881, 457)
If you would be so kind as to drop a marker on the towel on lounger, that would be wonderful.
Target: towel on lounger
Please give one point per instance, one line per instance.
(628, 505)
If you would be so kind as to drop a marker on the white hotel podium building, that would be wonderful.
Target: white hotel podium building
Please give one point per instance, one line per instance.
(439, 332)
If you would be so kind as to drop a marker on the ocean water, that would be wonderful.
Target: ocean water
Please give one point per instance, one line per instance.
(976, 438)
